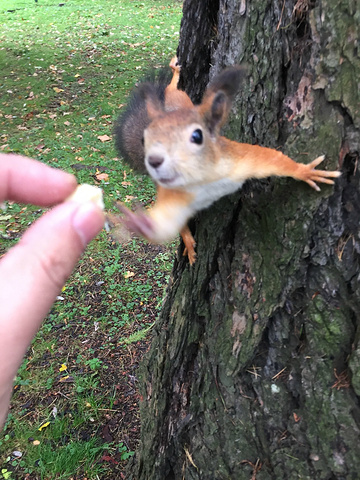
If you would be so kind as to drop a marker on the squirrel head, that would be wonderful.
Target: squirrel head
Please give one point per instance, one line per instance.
(181, 146)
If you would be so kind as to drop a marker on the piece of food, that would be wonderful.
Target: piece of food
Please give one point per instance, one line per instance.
(87, 193)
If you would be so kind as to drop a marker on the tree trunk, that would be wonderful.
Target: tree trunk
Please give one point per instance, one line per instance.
(253, 370)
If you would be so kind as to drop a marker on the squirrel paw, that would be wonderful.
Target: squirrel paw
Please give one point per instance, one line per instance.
(190, 254)
(310, 175)
(190, 244)
(138, 223)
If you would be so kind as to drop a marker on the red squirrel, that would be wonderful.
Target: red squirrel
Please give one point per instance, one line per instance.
(193, 165)
(130, 126)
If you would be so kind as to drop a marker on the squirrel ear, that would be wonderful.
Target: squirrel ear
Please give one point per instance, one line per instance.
(216, 115)
(219, 95)
(154, 105)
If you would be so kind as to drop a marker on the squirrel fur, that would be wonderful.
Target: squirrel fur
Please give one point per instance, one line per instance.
(129, 127)
(193, 165)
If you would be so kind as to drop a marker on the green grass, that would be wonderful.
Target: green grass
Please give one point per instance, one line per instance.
(65, 74)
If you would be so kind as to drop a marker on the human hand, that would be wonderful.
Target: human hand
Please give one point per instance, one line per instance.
(33, 272)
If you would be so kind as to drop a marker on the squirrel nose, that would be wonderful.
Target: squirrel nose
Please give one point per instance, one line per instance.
(155, 161)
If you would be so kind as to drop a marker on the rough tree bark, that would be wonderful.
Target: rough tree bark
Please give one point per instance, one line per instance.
(253, 370)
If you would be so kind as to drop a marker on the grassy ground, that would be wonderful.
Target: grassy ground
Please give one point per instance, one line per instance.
(65, 72)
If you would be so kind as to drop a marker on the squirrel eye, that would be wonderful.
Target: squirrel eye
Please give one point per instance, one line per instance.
(142, 140)
(197, 137)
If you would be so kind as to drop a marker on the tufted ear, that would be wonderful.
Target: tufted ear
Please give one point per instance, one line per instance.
(219, 96)
(154, 105)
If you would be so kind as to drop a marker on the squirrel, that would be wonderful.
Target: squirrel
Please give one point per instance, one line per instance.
(130, 126)
(193, 165)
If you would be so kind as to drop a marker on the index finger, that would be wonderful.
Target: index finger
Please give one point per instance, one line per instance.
(29, 181)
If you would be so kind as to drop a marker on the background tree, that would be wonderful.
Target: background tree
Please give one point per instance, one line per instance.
(253, 370)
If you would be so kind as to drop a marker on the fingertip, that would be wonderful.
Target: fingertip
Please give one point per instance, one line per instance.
(87, 221)
(30, 181)
(69, 178)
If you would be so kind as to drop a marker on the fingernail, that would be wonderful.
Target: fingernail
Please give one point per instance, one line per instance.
(87, 221)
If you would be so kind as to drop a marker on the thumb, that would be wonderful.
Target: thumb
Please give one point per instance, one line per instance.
(33, 272)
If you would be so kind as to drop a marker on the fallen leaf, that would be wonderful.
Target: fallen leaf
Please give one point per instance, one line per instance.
(104, 138)
(44, 425)
(36, 442)
(106, 434)
(129, 274)
(63, 367)
(102, 176)
(67, 379)
(58, 90)
(107, 458)
(67, 123)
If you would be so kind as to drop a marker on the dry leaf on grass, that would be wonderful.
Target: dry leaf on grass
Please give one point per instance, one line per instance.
(104, 138)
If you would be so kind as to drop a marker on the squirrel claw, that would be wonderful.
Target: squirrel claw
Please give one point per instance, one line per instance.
(138, 223)
(190, 244)
(190, 254)
(321, 176)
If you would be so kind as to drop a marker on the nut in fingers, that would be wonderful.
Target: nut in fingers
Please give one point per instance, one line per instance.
(87, 193)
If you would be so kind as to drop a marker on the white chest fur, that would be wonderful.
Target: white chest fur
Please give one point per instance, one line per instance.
(207, 194)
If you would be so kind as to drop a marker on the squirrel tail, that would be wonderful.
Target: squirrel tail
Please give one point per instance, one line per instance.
(130, 125)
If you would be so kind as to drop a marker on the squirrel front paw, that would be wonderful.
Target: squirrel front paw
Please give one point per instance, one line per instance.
(310, 175)
(138, 223)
